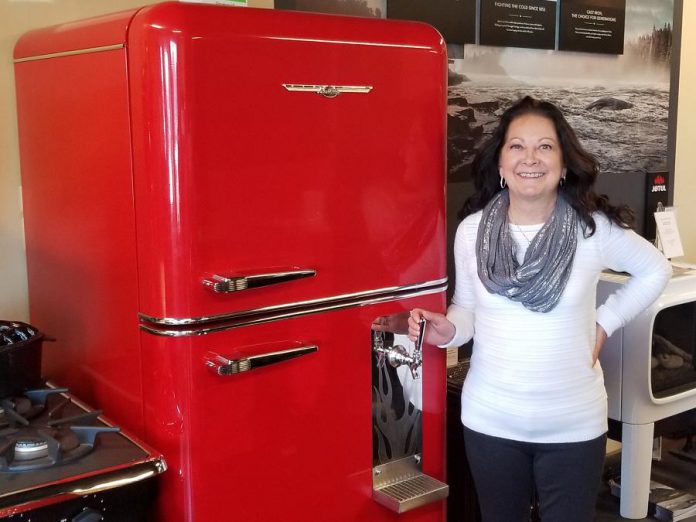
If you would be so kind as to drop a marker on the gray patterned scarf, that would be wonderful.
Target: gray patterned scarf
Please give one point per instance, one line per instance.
(539, 281)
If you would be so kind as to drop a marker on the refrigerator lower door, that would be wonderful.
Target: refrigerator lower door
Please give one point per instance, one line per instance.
(274, 420)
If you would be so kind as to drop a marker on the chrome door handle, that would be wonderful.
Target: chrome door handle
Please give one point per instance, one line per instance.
(221, 365)
(223, 285)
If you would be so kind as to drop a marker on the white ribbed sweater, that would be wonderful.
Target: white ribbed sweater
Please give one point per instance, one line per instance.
(531, 375)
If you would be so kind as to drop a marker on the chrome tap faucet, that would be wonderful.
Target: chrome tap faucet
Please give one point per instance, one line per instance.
(398, 355)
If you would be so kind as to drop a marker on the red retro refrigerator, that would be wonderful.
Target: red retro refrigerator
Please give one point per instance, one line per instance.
(228, 213)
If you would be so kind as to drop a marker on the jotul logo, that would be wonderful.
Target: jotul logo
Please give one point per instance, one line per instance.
(659, 184)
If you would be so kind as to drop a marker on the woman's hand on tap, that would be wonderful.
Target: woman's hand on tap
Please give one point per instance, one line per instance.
(439, 330)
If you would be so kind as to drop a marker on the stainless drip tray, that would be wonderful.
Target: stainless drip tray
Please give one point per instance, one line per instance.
(401, 486)
(411, 493)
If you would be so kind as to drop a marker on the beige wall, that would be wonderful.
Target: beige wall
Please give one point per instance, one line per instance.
(685, 182)
(18, 16)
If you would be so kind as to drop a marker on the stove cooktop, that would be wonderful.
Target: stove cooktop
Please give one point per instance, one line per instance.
(60, 449)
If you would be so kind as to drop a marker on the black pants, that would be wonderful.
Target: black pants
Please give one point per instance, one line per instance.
(566, 477)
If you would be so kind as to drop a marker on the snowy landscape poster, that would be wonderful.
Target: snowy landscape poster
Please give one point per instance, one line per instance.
(617, 104)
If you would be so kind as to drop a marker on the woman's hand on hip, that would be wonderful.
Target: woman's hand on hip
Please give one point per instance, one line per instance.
(599, 342)
(439, 330)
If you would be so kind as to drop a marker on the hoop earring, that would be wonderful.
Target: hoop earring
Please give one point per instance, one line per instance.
(503, 183)
(561, 182)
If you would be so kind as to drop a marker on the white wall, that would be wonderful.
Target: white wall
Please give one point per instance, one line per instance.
(685, 167)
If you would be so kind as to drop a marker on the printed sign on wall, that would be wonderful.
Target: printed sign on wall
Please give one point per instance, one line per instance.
(372, 8)
(592, 26)
(455, 19)
(518, 23)
(656, 191)
(239, 3)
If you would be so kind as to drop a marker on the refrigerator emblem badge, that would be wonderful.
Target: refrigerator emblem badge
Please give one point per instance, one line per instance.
(328, 91)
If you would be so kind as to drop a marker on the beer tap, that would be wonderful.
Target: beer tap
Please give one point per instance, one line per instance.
(398, 355)
(378, 347)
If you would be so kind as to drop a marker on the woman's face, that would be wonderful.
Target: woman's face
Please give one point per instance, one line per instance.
(531, 160)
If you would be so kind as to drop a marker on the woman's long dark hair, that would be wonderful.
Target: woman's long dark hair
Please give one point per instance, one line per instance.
(582, 168)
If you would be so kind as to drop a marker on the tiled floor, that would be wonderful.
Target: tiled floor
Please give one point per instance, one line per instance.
(670, 470)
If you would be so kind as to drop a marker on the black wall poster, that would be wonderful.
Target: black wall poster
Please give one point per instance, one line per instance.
(455, 19)
(518, 23)
(373, 8)
(593, 26)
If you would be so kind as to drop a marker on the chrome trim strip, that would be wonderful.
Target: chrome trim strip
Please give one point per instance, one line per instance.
(193, 321)
(36, 497)
(288, 314)
(70, 53)
(328, 91)
(353, 42)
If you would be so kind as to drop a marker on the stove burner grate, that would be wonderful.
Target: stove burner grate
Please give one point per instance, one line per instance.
(20, 410)
(30, 443)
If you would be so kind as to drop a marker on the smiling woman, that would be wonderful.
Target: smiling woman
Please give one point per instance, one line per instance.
(531, 164)
(527, 260)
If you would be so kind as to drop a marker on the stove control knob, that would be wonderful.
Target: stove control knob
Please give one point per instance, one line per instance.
(87, 515)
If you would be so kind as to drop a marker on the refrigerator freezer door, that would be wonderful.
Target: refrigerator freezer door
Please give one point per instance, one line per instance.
(283, 157)
(292, 440)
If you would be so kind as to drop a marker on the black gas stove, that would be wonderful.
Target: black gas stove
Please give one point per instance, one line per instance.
(61, 461)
